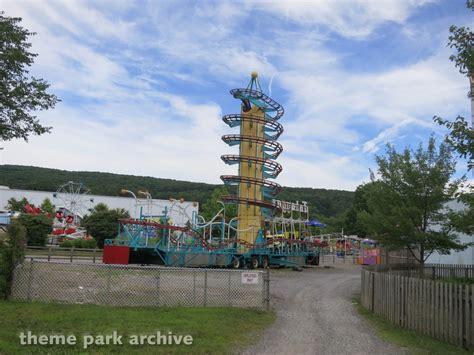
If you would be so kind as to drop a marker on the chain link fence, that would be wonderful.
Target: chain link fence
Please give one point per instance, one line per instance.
(133, 285)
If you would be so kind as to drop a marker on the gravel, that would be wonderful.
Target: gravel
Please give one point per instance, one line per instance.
(315, 315)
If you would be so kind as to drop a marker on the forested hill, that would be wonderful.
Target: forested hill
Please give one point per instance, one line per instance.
(322, 202)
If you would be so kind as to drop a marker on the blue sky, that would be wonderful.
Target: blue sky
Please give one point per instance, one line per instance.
(144, 84)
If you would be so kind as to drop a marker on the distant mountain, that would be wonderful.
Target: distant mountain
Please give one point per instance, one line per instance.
(321, 201)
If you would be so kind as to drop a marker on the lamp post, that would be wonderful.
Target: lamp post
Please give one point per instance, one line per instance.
(223, 221)
(149, 201)
(124, 191)
(181, 200)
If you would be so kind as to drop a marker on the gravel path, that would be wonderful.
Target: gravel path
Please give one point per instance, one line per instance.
(315, 315)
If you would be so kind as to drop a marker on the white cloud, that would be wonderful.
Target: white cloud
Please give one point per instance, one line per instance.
(372, 145)
(355, 19)
(329, 105)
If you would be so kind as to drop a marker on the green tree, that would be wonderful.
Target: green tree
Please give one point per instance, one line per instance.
(17, 205)
(47, 206)
(37, 226)
(462, 40)
(461, 136)
(353, 223)
(100, 207)
(334, 224)
(214, 205)
(405, 206)
(102, 223)
(20, 95)
(12, 252)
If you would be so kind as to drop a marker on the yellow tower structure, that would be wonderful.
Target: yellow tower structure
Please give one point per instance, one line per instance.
(259, 130)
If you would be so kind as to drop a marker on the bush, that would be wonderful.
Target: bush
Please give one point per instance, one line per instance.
(37, 228)
(89, 244)
(79, 243)
(102, 224)
(12, 252)
(66, 244)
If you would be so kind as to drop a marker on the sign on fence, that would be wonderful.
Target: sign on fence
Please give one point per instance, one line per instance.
(250, 278)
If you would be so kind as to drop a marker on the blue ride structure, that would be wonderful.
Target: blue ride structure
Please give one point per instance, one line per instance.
(243, 241)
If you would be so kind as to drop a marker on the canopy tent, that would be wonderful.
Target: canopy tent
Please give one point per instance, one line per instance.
(315, 223)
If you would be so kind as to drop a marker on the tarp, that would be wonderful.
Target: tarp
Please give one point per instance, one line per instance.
(369, 241)
(315, 223)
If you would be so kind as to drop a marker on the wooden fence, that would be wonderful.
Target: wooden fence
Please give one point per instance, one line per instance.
(426, 304)
(64, 254)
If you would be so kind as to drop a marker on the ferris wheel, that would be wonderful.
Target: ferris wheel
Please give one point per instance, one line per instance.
(74, 198)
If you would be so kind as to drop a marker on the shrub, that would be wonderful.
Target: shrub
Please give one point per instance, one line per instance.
(37, 228)
(12, 252)
(79, 243)
(89, 244)
(102, 224)
(66, 244)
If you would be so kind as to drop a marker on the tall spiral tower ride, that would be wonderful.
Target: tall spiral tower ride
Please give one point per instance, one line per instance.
(258, 147)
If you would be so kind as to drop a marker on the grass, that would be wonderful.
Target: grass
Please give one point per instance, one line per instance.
(458, 280)
(411, 341)
(214, 330)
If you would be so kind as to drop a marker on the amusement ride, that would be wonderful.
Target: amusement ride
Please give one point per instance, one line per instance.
(265, 232)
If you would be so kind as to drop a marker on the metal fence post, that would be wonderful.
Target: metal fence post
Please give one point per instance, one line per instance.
(109, 281)
(30, 281)
(205, 287)
(157, 285)
(49, 254)
(267, 289)
(93, 255)
(72, 252)
(194, 287)
(229, 292)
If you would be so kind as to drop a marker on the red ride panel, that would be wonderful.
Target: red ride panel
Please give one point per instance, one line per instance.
(115, 254)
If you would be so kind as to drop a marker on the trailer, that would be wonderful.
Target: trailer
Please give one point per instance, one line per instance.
(146, 242)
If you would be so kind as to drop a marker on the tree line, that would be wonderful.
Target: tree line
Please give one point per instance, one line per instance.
(322, 202)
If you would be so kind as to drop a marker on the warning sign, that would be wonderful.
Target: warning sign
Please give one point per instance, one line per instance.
(250, 278)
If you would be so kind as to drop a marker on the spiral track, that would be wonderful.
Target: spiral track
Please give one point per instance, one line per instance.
(270, 149)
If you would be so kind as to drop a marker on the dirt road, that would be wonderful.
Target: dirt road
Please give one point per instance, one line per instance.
(315, 315)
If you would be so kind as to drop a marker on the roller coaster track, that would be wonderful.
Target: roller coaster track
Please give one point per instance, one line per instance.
(268, 145)
(270, 187)
(260, 100)
(270, 126)
(249, 201)
(271, 168)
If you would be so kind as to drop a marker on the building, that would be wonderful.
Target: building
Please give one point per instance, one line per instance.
(179, 211)
(460, 257)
